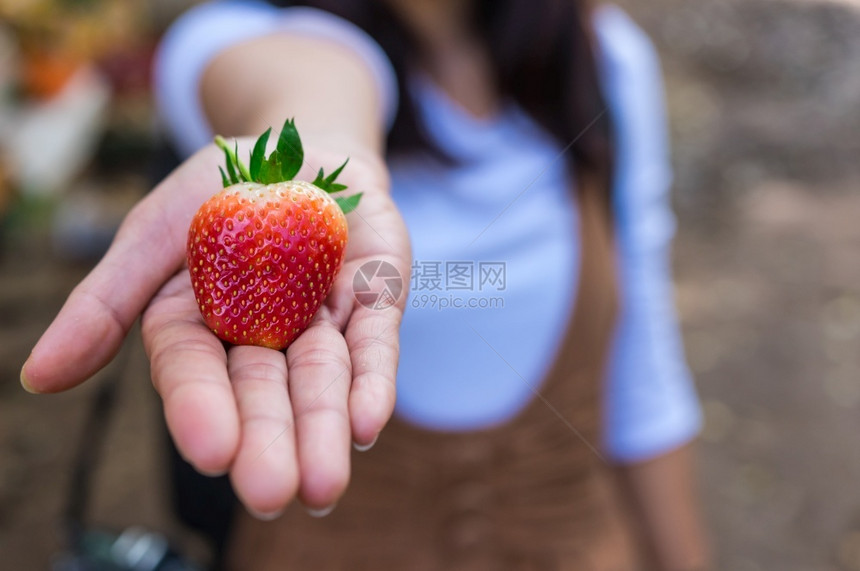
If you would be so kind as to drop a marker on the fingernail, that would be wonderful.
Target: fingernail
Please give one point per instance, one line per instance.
(213, 473)
(365, 447)
(266, 516)
(26, 383)
(321, 512)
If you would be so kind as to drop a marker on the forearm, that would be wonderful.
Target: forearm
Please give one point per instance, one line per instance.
(328, 89)
(661, 494)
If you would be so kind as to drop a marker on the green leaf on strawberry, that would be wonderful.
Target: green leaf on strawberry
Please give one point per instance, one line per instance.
(349, 203)
(258, 155)
(282, 164)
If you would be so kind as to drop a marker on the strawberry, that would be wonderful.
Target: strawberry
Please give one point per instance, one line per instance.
(263, 253)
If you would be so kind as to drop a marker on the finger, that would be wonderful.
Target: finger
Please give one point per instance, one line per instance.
(265, 472)
(372, 335)
(189, 371)
(148, 248)
(319, 380)
(373, 339)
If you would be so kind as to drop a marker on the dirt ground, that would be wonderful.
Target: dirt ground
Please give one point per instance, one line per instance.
(763, 98)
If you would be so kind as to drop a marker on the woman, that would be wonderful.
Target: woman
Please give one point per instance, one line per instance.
(526, 134)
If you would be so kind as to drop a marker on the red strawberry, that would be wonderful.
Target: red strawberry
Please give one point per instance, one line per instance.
(264, 252)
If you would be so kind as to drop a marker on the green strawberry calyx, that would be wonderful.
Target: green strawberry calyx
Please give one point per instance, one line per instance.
(282, 165)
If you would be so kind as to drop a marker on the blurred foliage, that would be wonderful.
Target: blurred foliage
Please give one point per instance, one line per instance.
(80, 29)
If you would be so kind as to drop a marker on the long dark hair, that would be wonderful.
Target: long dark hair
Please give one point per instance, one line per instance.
(543, 58)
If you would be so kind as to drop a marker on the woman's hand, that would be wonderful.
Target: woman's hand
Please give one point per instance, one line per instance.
(281, 424)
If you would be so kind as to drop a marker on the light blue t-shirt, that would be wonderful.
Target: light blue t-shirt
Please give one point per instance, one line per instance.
(495, 238)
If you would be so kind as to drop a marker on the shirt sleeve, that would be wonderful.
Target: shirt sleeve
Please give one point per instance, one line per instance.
(651, 404)
(206, 30)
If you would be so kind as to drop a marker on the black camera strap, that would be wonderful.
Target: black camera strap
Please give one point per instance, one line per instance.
(88, 549)
(90, 446)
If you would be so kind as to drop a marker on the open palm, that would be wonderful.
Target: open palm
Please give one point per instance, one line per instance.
(280, 423)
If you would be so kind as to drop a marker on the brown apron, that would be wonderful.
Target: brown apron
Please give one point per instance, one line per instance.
(529, 495)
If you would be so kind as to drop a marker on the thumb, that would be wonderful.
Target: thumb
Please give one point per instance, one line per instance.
(148, 249)
(90, 328)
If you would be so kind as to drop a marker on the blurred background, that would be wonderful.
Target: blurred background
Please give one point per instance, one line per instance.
(764, 103)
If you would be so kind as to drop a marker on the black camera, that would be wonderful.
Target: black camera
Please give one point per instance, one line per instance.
(135, 549)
